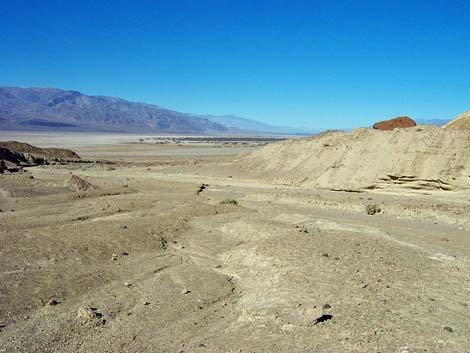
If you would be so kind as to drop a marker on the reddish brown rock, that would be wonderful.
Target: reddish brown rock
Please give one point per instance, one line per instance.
(399, 122)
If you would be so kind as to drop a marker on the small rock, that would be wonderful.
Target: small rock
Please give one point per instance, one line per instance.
(52, 301)
(85, 313)
(325, 254)
(322, 318)
(81, 184)
(124, 253)
(88, 313)
(185, 291)
(127, 284)
(114, 256)
(448, 329)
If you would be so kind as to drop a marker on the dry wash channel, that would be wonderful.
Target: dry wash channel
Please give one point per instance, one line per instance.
(140, 261)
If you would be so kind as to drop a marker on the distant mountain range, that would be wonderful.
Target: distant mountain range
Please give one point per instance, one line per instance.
(64, 110)
(235, 122)
(438, 122)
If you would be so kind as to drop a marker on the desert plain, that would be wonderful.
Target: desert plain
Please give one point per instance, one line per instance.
(176, 247)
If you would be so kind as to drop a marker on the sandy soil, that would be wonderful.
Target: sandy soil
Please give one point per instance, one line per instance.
(144, 262)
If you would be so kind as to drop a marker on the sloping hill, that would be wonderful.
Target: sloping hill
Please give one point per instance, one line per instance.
(50, 108)
(422, 157)
(461, 122)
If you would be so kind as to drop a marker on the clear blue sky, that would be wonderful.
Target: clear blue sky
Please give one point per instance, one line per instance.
(321, 64)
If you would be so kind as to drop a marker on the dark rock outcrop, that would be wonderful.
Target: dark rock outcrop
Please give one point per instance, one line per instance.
(36, 151)
(399, 122)
(15, 155)
(12, 156)
(3, 166)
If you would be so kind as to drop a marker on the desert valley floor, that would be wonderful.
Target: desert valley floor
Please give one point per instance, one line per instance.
(171, 248)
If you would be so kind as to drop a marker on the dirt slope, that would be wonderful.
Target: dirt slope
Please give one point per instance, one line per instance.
(461, 122)
(424, 157)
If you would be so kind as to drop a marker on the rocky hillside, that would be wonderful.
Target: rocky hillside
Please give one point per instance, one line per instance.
(44, 152)
(49, 108)
(15, 155)
(461, 122)
(422, 157)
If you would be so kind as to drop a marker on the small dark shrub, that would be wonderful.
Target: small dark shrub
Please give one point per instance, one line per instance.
(229, 202)
(373, 209)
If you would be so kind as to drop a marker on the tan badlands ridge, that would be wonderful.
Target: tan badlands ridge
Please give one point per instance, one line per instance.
(461, 122)
(422, 157)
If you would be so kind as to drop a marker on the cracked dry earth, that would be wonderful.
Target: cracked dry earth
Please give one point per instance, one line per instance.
(142, 263)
